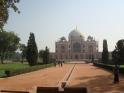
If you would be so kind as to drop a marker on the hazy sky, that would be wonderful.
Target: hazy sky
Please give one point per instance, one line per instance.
(51, 19)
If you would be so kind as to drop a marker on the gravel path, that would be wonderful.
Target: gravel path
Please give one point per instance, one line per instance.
(95, 79)
(83, 75)
(44, 77)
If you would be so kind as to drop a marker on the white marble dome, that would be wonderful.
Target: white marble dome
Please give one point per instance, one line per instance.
(75, 34)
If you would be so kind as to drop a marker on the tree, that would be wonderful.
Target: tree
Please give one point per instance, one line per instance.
(46, 56)
(23, 49)
(5, 5)
(115, 56)
(118, 53)
(32, 52)
(41, 53)
(9, 43)
(105, 54)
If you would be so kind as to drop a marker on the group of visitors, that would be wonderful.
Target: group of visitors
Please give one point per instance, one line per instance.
(59, 62)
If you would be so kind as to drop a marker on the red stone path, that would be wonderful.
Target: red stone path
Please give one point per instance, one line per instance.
(44, 77)
(95, 79)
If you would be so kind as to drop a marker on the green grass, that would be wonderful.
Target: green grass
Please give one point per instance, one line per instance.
(110, 67)
(13, 66)
(2, 74)
(19, 68)
(122, 66)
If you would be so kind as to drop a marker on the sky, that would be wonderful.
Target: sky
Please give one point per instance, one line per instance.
(51, 19)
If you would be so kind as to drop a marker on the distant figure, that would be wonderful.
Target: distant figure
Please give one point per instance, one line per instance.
(61, 63)
(116, 74)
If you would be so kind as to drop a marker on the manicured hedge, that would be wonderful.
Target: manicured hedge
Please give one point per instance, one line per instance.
(109, 67)
(25, 70)
(105, 66)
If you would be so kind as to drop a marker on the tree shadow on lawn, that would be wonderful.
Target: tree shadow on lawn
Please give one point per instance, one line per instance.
(101, 84)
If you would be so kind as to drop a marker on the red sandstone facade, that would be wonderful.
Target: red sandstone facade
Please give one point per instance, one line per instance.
(76, 48)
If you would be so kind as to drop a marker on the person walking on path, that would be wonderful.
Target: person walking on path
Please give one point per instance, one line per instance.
(61, 63)
(116, 74)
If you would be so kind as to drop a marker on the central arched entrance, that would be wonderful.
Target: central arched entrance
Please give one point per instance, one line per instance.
(76, 47)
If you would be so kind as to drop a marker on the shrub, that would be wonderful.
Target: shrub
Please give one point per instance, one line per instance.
(7, 72)
(105, 66)
(109, 67)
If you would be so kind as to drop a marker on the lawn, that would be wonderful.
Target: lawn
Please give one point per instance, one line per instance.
(122, 66)
(110, 67)
(19, 68)
(2, 74)
(13, 66)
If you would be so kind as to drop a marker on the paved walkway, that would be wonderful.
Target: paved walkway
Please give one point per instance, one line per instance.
(44, 77)
(95, 79)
